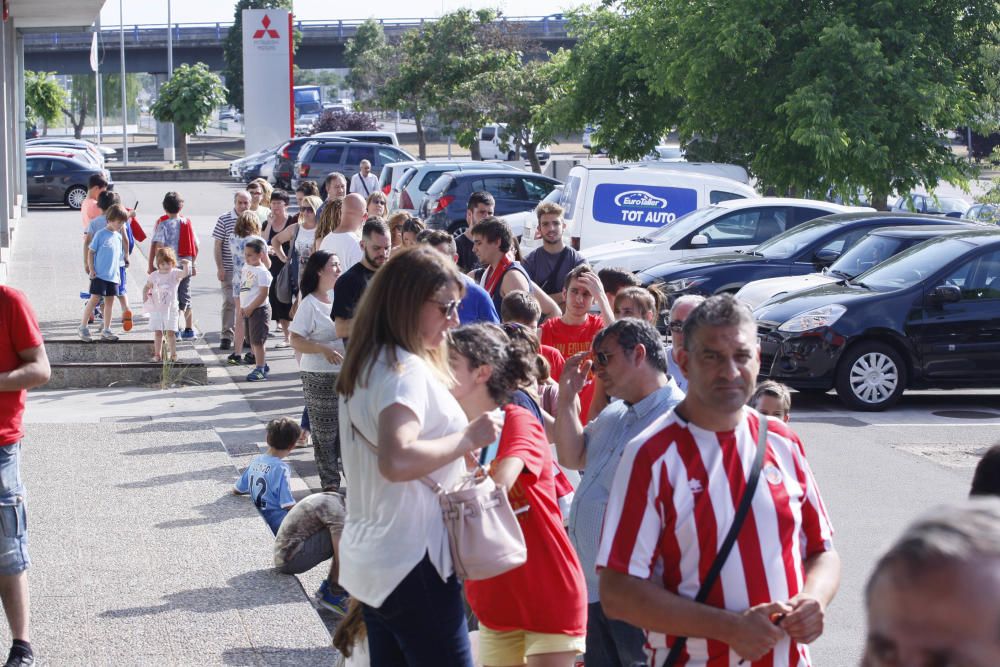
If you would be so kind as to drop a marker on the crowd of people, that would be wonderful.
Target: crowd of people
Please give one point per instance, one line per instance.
(669, 512)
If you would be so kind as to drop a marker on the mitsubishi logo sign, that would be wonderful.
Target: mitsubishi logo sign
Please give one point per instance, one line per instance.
(266, 22)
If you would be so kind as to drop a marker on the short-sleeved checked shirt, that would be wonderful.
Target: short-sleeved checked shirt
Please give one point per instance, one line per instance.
(224, 227)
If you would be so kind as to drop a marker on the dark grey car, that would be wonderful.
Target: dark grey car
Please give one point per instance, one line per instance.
(319, 158)
(54, 179)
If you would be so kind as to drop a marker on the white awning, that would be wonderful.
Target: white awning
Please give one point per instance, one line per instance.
(33, 14)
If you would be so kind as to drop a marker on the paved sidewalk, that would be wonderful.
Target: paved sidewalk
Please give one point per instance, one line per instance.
(140, 554)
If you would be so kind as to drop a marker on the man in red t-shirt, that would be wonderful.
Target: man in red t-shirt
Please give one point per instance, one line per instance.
(23, 365)
(575, 330)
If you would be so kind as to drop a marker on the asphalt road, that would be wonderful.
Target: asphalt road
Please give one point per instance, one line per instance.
(877, 471)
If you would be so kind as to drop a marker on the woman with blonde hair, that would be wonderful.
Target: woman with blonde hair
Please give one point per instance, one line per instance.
(377, 205)
(398, 424)
(329, 219)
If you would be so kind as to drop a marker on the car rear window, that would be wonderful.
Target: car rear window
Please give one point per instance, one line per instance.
(355, 154)
(428, 180)
(715, 196)
(441, 185)
(329, 154)
(488, 133)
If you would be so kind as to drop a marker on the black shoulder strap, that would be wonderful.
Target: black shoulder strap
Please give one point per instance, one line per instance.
(734, 531)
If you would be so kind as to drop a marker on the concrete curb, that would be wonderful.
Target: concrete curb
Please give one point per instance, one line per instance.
(154, 175)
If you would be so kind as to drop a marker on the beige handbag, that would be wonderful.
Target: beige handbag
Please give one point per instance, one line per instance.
(484, 536)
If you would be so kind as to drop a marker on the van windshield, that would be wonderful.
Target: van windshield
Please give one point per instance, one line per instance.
(696, 217)
(568, 198)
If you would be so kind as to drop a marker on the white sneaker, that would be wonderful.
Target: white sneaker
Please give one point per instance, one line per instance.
(85, 334)
(108, 335)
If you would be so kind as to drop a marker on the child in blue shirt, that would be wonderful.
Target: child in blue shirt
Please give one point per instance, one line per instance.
(104, 256)
(267, 478)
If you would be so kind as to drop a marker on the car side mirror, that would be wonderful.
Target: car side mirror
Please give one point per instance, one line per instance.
(825, 257)
(945, 294)
(699, 240)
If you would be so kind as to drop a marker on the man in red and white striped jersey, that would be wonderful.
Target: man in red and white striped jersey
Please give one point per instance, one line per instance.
(673, 500)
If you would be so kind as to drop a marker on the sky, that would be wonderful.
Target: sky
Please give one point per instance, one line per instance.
(212, 11)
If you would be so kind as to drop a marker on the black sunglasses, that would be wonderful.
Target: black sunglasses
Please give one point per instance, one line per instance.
(448, 309)
(676, 326)
(601, 358)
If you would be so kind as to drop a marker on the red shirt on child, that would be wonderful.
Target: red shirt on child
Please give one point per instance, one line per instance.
(18, 332)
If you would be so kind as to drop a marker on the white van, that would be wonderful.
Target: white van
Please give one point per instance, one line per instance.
(494, 144)
(614, 203)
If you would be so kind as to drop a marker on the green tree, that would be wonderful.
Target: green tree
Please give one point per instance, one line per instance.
(370, 58)
(812, 95)
(600, 82)
(232, 48)
(188, 100)
(44, 98)
(516, 96)
(82, 101)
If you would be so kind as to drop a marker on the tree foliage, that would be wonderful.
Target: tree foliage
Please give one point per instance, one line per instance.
(82, 102)
(44, 98)
(808, 94)
(340, 121)
(370, 58)
(232, 49)
(188, 100)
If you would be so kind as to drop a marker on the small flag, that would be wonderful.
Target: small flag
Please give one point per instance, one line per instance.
(93, 53)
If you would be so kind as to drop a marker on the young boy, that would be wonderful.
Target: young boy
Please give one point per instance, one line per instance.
(106, 200)
(254, 307)
(103, 259)
(267, 480)
(177, 232)
(772, 399)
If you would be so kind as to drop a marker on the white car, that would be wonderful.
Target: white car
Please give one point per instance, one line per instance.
(735, 224)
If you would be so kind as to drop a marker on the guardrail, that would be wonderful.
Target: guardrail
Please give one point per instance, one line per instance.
(154, 34)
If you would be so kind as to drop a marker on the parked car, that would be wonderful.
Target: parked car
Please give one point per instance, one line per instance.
(374, 136)
(420, 176)
(59, 178)
(920, 203)
(514, 190)
(877, 246)
(928, 317)
(288, 153)
(100, 151)
(248, 168)
(525, 224)
(494, 144)
(82, 149)
(989, 213)
(807, 248)
(728, 226)
(604, 204)
(79, 154)
(318, 158)
(392, 173)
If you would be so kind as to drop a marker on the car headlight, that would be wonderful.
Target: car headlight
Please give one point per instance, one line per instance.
(684, 284)
(816, 318)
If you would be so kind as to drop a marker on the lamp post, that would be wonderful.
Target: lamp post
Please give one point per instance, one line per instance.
(168, 152)
(121, 39)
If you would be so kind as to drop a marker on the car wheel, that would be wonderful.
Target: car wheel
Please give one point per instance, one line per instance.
(458, 228)
(871, 377)
(75, 197)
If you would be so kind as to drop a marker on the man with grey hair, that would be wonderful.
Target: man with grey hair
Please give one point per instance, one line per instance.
(224, 264)
(679, 310)
(934, 597)
(675, 496)
(364, 182)
(629, 359)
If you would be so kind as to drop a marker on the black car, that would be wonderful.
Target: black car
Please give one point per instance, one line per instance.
(514, 191)
(806, 248)
(928, 317)
(55, 178)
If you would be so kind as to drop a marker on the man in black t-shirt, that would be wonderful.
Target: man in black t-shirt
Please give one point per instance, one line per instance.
(549, 265)
(479, 207)
(351, 285)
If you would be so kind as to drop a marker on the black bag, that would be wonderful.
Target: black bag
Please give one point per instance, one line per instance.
(283, 289)
(727, 544)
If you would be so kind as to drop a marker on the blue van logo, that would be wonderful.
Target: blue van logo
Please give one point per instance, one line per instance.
(641, 205)
(639, 199)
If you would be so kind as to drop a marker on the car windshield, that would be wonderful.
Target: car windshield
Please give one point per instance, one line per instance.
(790, 243)
(868, 253)
(694, 218)
(913, 264)
(947, 205)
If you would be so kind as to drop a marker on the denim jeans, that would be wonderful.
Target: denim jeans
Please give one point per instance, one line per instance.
(13, 519)
(421, 623)
(613, 643)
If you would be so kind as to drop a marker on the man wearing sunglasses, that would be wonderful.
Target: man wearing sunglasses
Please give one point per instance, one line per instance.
(629, 358)
(351, 285)
(679, 312)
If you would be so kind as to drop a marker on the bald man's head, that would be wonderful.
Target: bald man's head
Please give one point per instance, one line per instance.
(353, 215)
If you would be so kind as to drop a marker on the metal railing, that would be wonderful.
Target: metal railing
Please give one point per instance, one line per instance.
(155, 34)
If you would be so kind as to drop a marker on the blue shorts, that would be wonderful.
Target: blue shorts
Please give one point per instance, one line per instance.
(121, 281)
(13, 517)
